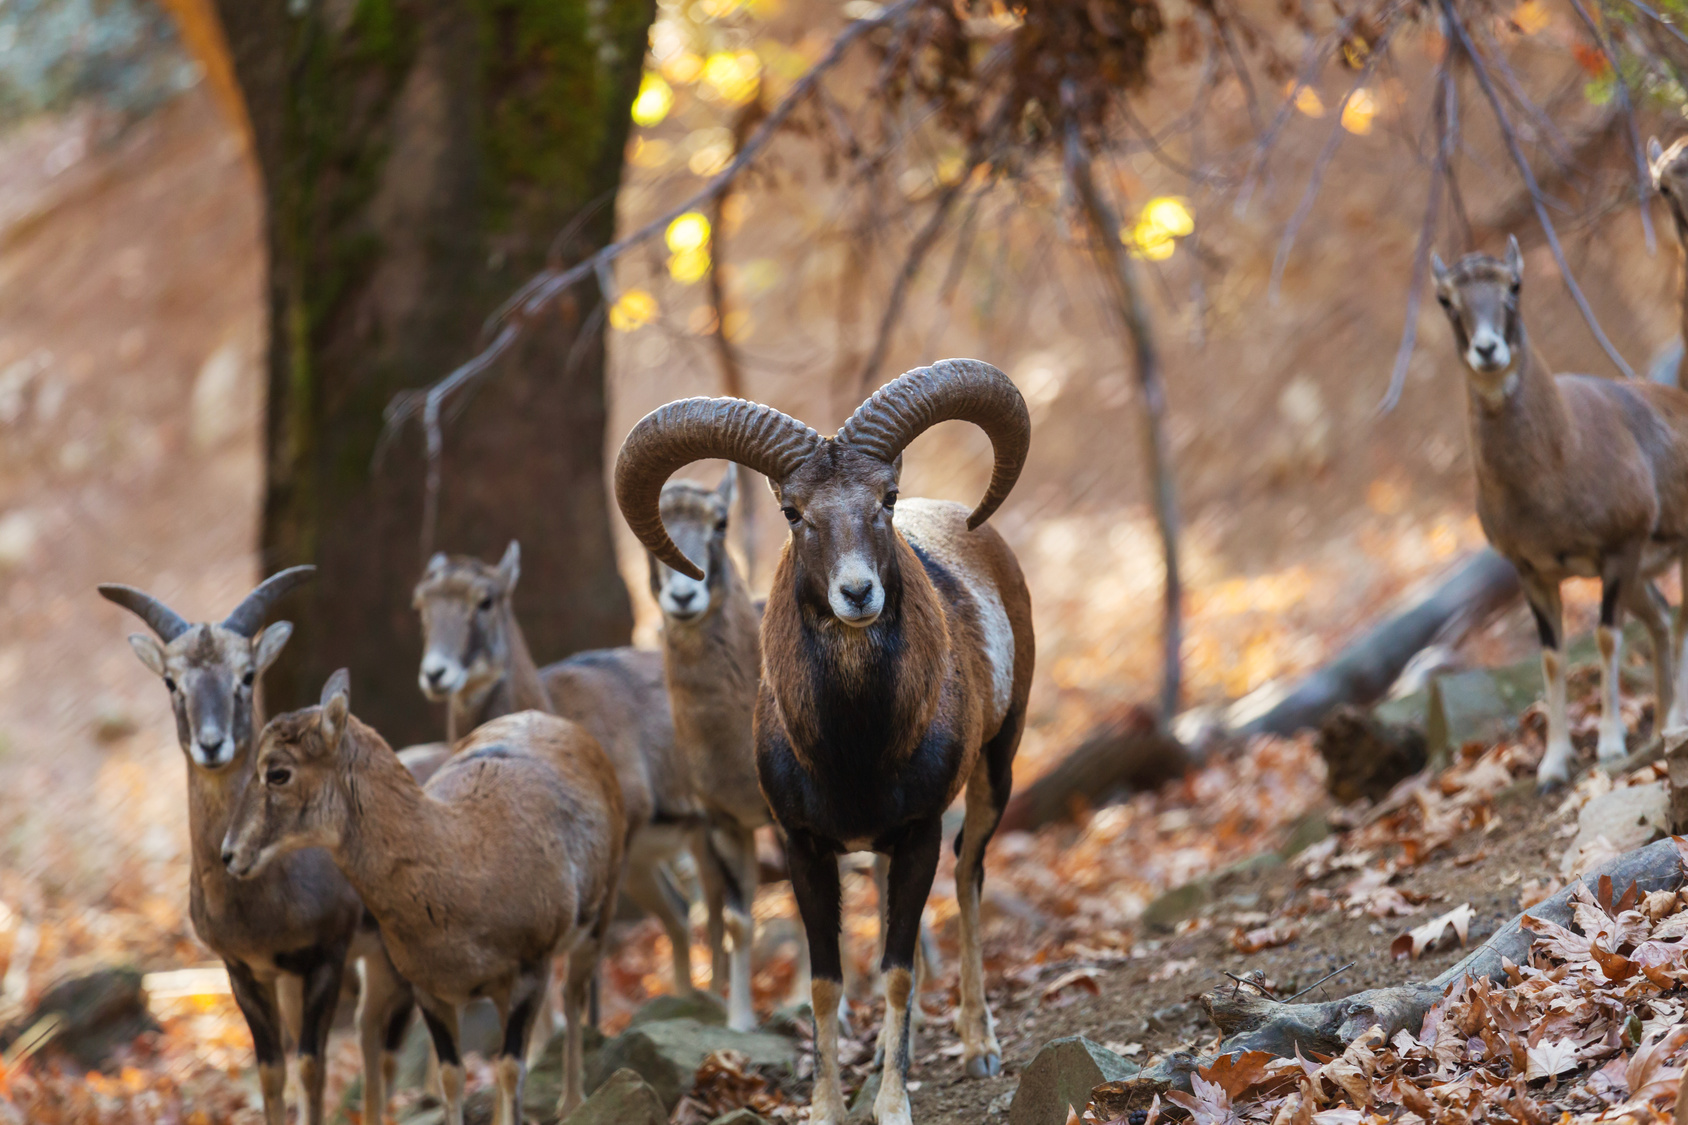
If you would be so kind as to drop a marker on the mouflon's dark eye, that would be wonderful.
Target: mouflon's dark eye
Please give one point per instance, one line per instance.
(486, 605)
(1444, 302)
(891, 499)
(721, 525)
(278, 775)
(246, 680)
(792, 516)
(169, 684)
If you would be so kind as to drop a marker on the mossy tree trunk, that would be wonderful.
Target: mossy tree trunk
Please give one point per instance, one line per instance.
(419, 158)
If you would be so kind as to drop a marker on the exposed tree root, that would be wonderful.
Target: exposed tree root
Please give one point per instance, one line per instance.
(1251, 1022)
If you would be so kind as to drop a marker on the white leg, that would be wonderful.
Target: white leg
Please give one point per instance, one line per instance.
(1612, 745)
(1555, 768)
(826, 1104)
(891, 1106)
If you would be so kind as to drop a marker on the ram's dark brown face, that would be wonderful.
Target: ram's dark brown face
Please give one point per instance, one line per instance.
(462, 602)
(839, 504)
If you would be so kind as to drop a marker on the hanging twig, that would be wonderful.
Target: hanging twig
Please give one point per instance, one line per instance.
(1643, 177)
(1459, 34)
(1321, 164)
(917, 251)
(1442, 106)
(1121, 274)
(1318, 52)
(1660, 20)
(515, 314)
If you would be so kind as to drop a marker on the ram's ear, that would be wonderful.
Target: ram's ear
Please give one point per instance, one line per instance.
(510, 567)
(270, 643)
(1438, 271)
(149, 650)
(1654, 151)
(897, 468)
(1514, 257)
(336, 707)
(727, 490)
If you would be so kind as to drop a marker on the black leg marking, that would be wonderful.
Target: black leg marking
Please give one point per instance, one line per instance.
(1609, 592)
(516, 1024)
(914, 863)
(322, 996)
(398, 1023)
(257, 1004)
(814, 881)
(1545, 629)
(445, 1043)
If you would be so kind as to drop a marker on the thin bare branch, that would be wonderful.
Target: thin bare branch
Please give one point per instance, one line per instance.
(1660, 20)
(917, 251)
(1463, 37)
(1643, 177)
(1442, 106)
(1121, 274)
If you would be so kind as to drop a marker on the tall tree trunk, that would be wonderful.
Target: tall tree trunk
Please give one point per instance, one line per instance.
(418, 159)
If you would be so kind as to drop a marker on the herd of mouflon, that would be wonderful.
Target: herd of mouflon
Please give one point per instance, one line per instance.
(885, 678)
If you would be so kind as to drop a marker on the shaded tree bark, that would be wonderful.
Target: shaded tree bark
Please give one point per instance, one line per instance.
(418, 158)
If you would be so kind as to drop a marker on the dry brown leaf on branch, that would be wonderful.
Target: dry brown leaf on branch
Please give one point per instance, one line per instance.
(1415, 941)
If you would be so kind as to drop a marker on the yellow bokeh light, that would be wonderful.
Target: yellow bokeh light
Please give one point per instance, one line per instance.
(735, 76)
(683, 68)
(711, 158)
(633, 311)
(1531, 16)
(1163, 221)
(688, 266)
(656, 98)
(688, 232)
(1307, 102)
(649, 152)
(720, 9)
(1358, 113)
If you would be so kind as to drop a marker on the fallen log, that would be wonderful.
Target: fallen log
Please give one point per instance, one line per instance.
(1259, 1023)
(1130, 752)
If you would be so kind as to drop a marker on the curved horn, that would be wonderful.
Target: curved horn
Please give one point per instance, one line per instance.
(249, 614)
(166, 622)
(968, 390)
(755, 436)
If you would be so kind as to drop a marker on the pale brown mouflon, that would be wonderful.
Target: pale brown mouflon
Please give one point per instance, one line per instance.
(1576, 475)
(509, 857)
(475, 656)
(897, 658)
(286, 938)
(712, 659)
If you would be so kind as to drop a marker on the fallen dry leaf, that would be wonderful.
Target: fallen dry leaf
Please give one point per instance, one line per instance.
(1266, 937)
(1417, 940)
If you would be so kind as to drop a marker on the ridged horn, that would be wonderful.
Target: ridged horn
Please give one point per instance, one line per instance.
(967, 390)
(249, 614)
(755, 436)
(163, 620)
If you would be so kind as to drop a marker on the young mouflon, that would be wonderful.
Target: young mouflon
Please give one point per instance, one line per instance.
(1576, 476)
(509, 857)
(897, 658)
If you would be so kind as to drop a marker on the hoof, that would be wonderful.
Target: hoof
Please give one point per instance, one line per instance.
(1546, 785)
(984, 1066)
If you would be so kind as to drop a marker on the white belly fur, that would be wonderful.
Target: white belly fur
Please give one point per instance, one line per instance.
(932, 525)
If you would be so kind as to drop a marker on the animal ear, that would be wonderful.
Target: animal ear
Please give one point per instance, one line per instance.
(437, 563)
(897, 468)
(727, 490)
(1654, 151)
(510, 566)
(149, 650)
(1514, 256)
(336, 706)
(1438, 271)
(270, 643)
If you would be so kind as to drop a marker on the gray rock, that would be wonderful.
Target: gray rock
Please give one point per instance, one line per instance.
(86, 1018)
(1629, 818)
(667, 1053)
(704, 1007)
(1061, 1077)
(1171, 907)
(623, 1099)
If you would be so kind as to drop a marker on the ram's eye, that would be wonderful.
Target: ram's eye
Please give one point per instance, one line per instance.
(891, 499)
(1443, 301)
(1664, 190)
(246, 680)
(486, 605)
(721, 525)
(169, 684)
(1517, 284)
(792, 515)
(278, 775)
